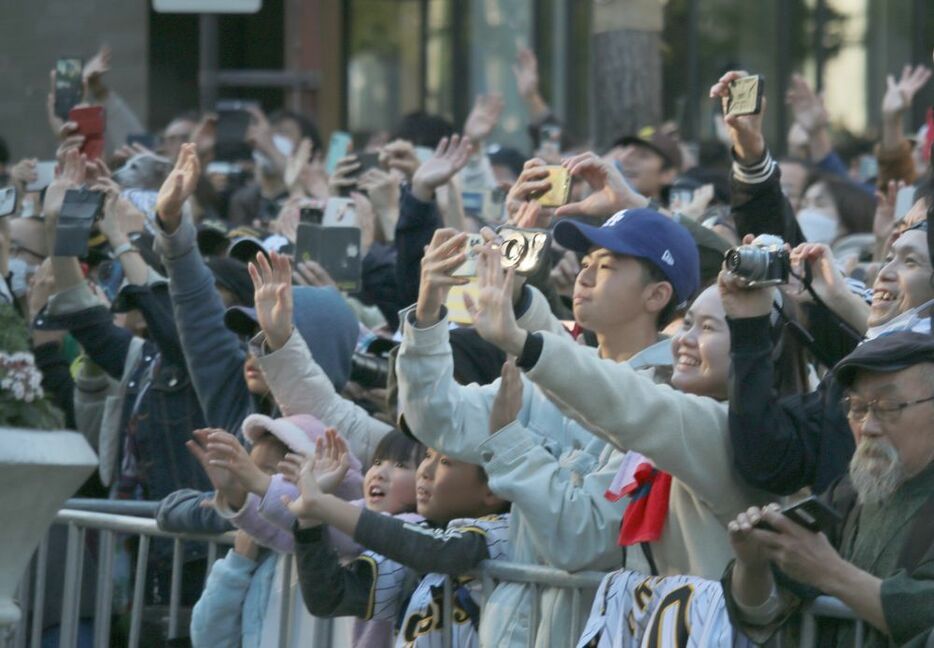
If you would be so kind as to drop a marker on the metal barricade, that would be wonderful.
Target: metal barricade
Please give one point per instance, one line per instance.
(125, 518)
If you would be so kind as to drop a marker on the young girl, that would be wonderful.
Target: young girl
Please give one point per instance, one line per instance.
(464, 525)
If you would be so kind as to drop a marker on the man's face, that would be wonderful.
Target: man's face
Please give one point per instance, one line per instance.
(899, 447)
(644, 169)
(609, 291)
(904, 282)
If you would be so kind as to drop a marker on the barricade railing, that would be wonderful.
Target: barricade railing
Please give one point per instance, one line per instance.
(109, 518)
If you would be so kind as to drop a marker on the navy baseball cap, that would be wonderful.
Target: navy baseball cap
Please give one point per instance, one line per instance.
(644, 234)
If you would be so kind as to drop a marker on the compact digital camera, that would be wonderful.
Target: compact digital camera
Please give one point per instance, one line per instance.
(764, 262)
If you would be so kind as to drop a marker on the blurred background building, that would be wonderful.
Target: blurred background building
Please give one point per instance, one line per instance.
(605, 65)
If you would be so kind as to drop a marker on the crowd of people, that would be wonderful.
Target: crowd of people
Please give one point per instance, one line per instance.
(704, 370)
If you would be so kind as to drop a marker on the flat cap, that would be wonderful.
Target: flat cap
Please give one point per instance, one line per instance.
(886, 354)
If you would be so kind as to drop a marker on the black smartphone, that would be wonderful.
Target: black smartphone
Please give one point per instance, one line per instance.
(367, 161)
(336, 249)
(312, 215)
(69, 86)
(811, 513)
(80, 209)
(230, 135)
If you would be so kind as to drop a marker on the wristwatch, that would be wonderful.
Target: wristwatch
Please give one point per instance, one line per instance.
(123, 248)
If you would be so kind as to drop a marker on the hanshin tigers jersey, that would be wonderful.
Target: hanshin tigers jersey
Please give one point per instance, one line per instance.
(632, 610)
(421, 625)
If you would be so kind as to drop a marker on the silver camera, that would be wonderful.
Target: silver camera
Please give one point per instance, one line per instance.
(764, 262)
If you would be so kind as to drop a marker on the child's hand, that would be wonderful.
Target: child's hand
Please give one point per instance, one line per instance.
(245, 545)
(310, 493)
(332, 460)
(224, 451)
(226, 485)
(290, 467)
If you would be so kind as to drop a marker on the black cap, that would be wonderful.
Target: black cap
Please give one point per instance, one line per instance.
(886, 354)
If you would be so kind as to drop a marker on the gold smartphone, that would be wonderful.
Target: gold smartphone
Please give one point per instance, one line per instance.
(560, 190)
(745, 96)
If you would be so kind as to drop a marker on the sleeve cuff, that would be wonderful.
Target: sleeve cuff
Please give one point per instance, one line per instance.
(437, 334)
(74, 299)
(525, 301)
(750, 334)
(764, 613)
(531, 351)
(756, 172)
(504, 446)
(179, 242)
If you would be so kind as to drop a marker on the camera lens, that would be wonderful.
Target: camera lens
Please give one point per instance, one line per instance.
(369, 371)
(747, 261)
(513, 249)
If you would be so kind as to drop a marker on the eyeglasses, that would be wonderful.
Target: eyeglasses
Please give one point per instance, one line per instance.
(884, 411)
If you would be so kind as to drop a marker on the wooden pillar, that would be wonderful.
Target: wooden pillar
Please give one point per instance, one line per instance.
(626, 67)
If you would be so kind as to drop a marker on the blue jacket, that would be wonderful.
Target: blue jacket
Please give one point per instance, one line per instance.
(160, 401)
(215, 354)
(230, 612)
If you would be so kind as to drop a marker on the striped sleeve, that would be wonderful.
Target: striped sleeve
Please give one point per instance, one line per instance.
(755, 173)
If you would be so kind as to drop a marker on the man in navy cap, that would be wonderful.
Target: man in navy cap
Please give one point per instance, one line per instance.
(879, 558)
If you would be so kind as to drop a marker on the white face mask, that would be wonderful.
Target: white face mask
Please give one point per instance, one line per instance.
(20, 272)
(917, 319)
(817, 226)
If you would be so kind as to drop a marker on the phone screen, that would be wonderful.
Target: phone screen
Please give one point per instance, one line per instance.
(230, 139)
(68, 85)
(338, 148)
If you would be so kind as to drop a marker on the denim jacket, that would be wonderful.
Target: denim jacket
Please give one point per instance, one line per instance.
(158, 399)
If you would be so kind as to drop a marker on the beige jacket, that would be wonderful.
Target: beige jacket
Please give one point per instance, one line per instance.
(300, 386)
(683, 434)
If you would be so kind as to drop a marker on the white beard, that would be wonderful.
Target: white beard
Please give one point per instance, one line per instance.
(876, 471)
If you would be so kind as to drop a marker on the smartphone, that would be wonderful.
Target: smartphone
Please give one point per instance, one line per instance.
(904, 200)
(524, 249)
(338, 148)
(550, 141)
(746, 96)
(313, 215)
(146, 140)
(80, 209)
(469, 267)
(7, 201)
(367, 161)
(560, 190)
(336, 249)
(340, 212)
(69, 85)
(680, 196)
(811, 513)
(91, 121)
(230, 133)
(45, 173)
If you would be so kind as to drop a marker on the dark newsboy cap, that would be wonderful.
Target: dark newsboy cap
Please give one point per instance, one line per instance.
(886, 354)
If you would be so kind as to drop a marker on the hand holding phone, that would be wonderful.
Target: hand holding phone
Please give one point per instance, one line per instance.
(233, 120)
(746, 96)
(69, 86)
(91, 121)
(45, 173)
(80, 209)
(560, 190)
(811, 513)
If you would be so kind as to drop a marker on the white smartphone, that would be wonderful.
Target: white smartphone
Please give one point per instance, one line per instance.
(340, 212)
(469, 267)
(7, 201)
(45, 173)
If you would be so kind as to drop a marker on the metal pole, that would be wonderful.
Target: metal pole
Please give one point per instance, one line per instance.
(139, 589)
(285, 610)
(105, 588)
(175, 594)
(74, 559)
(22, 598)
(808, 631)
(533, 616)
(212, 558)
(447, 608)
(38, 600)
(207, 60)
(576, 611)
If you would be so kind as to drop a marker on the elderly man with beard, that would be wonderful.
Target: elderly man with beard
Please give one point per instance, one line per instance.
(879, 559)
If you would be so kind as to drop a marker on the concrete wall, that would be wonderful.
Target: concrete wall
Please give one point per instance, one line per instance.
(35, 33)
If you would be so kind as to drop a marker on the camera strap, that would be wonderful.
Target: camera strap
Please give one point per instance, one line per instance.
(841, 323)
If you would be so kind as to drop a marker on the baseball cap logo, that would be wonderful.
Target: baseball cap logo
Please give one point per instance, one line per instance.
(668, 258)
(615, 218)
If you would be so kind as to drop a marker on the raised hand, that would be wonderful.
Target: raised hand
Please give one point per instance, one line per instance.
(304, 506)
(745, 130)
(226, 485)
(342, 179)
(225, 451)
(481, 121)
(72, 176)
(899, 94)
(611, 193)
(399, 155)
(295, 168)
(290, 467)
(532, 215)
(531, 182)
(807, 106)
(508, 399)
(121, 217)
(22, 173)
(178, 187)
(746, 545)
(492, 313)
(444, 254)
(273, 297)
(695, 207)
(332, 461)
(526, 70)
(450, 157)
(93, 72)
(883, 222)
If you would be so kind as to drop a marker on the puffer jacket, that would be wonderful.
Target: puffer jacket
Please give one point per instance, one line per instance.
(560, 517)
